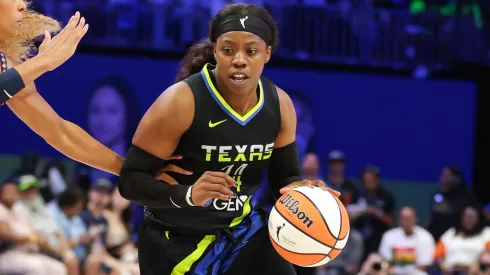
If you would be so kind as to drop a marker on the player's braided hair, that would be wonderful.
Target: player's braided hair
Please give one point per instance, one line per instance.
(202, 52)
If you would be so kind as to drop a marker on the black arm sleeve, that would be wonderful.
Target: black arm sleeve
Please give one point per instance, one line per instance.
(10, 84)
(284, 167)
(137, 182)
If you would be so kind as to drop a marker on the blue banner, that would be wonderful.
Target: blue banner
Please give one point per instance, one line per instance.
(409, 128)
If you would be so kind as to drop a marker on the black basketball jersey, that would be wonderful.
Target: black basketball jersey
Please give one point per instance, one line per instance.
(219, 139)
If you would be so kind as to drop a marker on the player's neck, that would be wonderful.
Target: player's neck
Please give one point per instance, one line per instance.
(240, 103)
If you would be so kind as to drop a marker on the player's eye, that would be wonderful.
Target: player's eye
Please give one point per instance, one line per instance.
(227, 51)
(252, 52)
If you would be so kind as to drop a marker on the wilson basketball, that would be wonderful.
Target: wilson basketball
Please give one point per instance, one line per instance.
(309, 226)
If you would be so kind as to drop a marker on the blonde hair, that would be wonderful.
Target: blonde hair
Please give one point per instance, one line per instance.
(33, 25)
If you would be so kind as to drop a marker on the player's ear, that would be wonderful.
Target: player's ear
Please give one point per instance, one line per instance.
(214, 50)
(268, 53)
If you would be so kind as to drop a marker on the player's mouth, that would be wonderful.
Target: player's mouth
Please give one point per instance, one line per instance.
(239, 78)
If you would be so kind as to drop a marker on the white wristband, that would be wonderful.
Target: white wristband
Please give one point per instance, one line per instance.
(188, 196)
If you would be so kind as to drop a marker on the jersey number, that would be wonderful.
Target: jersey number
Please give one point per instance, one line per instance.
(236, 173)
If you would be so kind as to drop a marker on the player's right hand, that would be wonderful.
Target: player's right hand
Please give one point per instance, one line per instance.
(212, 185)
(57, 50)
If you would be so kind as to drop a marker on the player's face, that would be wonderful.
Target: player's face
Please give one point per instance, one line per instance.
(10, 17)
(107, 116)
(240, 58)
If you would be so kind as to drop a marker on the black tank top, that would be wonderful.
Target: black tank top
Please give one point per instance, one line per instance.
(219, 139)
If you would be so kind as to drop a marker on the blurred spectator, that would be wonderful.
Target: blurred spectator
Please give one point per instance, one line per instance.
(52, 180)
(65, 211)
(482, 266)
(448, 201)
(99, 198)
(337, 180)
(409, 247)
(311, 167)
(376, 265)
(349, 261)
(118, 235)
(119, 244)
(374, 209)
(460, 246)
(32, 206)
(20, 245)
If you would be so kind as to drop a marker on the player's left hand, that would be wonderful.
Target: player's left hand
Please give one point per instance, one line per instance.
(311, 184)
(162, 173)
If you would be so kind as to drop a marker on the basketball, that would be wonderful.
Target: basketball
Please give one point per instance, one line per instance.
(309, 226)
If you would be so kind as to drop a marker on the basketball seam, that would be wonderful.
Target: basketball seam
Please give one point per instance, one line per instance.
(326, 255)
(340, 228)
(323, 218)
(313, 238)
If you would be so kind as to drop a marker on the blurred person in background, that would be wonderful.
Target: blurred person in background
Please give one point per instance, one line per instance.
(311, 167)
(376, 265)
(119, 244)
(112, 117)
(52, 180)
(373, 213)
(65, 210)
(33, 207)
(482, 266)
(409, 248)
(349, 261)
(349, 193)
(461, 245)
(99, 199)
(20, 245)
(450, 200)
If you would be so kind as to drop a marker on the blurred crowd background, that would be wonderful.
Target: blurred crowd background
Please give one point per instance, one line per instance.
(390, 102)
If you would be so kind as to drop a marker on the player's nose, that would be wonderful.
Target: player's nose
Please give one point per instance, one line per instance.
(239, 60)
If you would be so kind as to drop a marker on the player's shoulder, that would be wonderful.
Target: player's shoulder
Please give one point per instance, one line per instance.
(177, 96)
(285, 103)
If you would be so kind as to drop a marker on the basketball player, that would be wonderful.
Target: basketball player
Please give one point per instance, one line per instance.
(17, 26)
(230, 124)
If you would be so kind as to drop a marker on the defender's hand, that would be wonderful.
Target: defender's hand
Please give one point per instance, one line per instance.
(162, 173)
(212, 185)
(57, 50)
(311, 184)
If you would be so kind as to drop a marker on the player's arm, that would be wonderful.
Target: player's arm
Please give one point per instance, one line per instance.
(155, 140)
(284, 166)
(64, 136)
(52, 53)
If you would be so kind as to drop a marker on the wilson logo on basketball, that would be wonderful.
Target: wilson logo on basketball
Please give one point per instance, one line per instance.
(294, 207)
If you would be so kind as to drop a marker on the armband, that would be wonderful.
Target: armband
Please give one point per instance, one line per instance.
(10, 84)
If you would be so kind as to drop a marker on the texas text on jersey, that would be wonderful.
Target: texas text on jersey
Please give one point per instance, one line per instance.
(219, 139)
